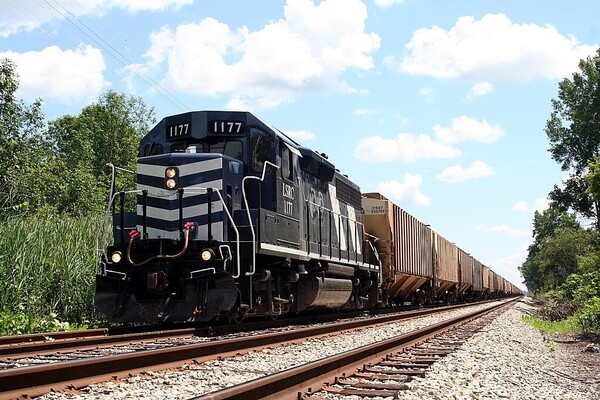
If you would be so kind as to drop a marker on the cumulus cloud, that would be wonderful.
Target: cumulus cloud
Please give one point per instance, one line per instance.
(388, 3)
(26, 15)
(405, 193)
(409, 147)
(458, 173)
(481, 89)
(465, 128)
(405, 147)
(493, 48)
(540, 204)
(427, 93)
(64, 75)
(307, 51)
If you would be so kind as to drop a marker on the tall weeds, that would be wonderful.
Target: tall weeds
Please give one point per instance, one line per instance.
(47, 266)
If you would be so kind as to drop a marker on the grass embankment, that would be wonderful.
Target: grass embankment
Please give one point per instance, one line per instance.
(47, 270)
(569, 325)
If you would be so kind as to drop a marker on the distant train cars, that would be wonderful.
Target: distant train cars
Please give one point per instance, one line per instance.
(420, 265)
(230, 218)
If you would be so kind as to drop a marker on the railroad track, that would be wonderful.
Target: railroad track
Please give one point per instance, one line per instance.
(360, 372)
(30, 345)
(88, 365)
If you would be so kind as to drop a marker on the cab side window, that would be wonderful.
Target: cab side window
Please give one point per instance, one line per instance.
(286, 163)
(262, 150)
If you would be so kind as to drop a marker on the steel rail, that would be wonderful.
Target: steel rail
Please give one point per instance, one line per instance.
(292, 383)
(36, 380)
(30, 345)
(44, 337)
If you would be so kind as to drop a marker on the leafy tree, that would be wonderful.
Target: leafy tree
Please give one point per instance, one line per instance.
(105, 132)
(23, 147)
(574, 133)
(558, 239)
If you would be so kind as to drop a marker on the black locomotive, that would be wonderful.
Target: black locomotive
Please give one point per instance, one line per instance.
(230, 218)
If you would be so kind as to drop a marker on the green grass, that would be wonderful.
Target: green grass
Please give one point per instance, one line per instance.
(47, 271)
(569, 325)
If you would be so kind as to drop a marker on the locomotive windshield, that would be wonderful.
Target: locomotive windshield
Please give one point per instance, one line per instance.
(231, 148)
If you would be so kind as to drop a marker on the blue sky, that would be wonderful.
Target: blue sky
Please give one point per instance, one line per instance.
(439, 105)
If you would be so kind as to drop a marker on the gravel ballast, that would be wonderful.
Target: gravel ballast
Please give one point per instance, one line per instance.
(505, 360)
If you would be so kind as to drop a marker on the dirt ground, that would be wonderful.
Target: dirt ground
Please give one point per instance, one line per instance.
(581, 356)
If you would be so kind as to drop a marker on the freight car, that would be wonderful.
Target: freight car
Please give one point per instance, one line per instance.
(231, 218)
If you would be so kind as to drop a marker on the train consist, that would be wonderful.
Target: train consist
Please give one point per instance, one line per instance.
(231, 218)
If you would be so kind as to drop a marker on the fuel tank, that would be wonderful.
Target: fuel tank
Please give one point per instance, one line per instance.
(321, 293)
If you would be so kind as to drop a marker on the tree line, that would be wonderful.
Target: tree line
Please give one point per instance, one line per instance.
(60, 166)
(563, 261)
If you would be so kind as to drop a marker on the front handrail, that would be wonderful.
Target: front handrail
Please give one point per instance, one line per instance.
(233, 225)
(194, 190)
(103, 237)
(262, 178)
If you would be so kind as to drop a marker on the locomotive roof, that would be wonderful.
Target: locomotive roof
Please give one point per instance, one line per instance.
(199, 121)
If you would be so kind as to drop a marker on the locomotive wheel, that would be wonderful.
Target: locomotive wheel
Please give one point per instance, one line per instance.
(237, 318)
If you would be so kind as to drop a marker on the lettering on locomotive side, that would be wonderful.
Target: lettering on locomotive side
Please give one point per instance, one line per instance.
(287, 192)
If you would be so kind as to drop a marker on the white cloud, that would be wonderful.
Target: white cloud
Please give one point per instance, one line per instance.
(388, 3)
(64, 75)
(521, 206)
(493, 48)
(427, 93)
(146, 5)
(540, 205)
(306, 52)
(458, 173)
(406, 147)
(481, 89)
(506, 230)
(27, 15)
(465, 128)
(301, 135)
(405, 193)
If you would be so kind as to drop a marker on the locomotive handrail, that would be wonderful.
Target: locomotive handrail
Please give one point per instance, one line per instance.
(262, 178)
(111, 198)
(234, 226)
(357, 224)
(107, 214)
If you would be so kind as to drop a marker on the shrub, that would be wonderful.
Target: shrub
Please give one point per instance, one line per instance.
(589, 315)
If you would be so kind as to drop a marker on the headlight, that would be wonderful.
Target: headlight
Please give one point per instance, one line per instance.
(171, 183)
(116, 257)
(207, 254)
(171, 172)
(171, 175)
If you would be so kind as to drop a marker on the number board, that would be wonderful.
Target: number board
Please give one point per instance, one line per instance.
(177, 131)
(227, 127)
